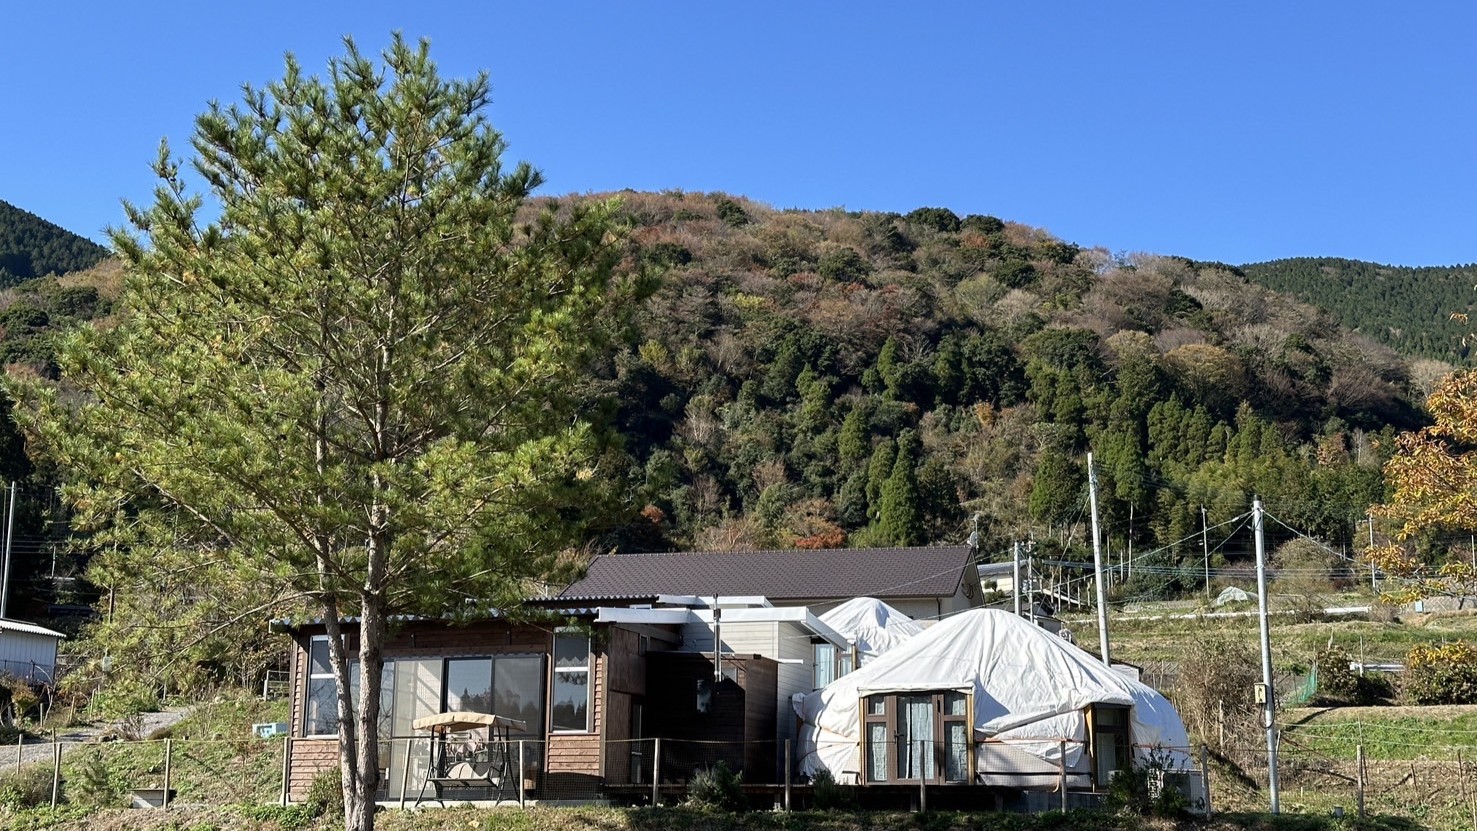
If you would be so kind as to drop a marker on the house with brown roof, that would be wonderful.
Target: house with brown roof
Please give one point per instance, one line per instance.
(922, 583)
(649, 668)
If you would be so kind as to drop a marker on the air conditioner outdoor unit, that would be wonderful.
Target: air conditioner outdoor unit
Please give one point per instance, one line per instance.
(268, 729)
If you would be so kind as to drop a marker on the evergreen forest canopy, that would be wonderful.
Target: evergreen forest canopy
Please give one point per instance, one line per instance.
(1408, 309)
(831, 378)
(32, 247)
(828, 378)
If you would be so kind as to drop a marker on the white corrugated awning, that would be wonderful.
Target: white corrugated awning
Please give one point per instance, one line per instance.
(8, 625)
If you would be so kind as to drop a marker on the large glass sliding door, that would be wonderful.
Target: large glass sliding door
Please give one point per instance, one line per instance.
(417, 694)
(505, 685)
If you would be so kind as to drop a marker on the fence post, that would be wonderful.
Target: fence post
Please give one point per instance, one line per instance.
(1359, 779)
(405, 770)
(1061, 764)
(168, 760)
(20, 750)
(286, 770)
(56, 769)
(522, 795)
(656, 772)
(787, 774)
(1205, 779)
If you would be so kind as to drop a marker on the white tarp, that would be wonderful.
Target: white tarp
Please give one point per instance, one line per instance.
(1232, 594)
(872, 625)
(1026, 683)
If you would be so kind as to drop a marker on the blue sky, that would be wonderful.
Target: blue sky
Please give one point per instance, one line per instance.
(1219, 131)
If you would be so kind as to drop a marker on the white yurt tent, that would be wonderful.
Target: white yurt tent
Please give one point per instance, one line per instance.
(871, 625)
(1025, 691)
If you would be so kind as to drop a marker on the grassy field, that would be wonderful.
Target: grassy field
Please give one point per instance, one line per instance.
(1150, 634)
(213, 760)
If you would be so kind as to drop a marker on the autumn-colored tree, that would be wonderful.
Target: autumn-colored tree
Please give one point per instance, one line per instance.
(1433, 480)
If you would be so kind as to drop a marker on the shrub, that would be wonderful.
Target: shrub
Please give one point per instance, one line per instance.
(717, 788)
(1143, 789)
(1445, 674)
(1335, 679)
(732, 213)
(939, 219)
(831, 795)
(1213, 689)
(94, 785)
(23, 697)
(30, 787)
(843, 265)
(325, 796)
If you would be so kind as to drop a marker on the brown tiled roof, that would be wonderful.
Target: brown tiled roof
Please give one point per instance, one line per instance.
(780, 575)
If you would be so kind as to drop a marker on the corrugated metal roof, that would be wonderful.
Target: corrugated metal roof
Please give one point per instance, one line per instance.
(29, 628)
(559, 606)
(779, 575)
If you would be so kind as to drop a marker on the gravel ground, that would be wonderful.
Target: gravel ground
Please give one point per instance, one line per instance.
(73, 738)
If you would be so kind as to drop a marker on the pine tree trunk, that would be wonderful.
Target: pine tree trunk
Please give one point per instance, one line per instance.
(361, 767)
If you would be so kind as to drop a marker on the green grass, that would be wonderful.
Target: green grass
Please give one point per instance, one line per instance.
(1393, 737)
(1294, 643)
(214, 760)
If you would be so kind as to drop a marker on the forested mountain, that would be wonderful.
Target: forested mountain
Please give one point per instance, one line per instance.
(831, 378)
(1409, 309)
(823, 378)
(30, 313)
(32, 247)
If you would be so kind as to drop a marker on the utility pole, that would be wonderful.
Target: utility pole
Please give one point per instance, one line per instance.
(1031, 579)
(1205, 546)
(9, 532)
(1015, 557)
(1097, 565)
(1269, 691)
(1372, 586)
(1129, 575)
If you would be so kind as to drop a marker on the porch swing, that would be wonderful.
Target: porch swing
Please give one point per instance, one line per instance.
(461, 760)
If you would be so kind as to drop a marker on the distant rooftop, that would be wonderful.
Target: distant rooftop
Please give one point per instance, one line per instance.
(780, 575)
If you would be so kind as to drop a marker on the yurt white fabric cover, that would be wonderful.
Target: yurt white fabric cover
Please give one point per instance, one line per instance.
(872, 625)
(1030, 688)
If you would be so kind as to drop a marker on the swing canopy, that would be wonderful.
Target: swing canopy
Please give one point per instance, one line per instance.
(458, 721)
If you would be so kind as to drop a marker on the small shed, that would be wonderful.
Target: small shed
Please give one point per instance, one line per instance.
(28, 651)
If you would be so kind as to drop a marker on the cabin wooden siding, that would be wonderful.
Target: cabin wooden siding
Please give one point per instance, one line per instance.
(738, 727)
(785, 640)
(310, 757)
(578, 752)
(627, 675)
(573, 762)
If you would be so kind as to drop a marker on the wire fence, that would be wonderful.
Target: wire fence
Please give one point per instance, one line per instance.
(1436, 785)
(1435, 791)
(197, 772)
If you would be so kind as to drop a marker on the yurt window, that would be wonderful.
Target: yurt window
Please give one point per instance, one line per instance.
(917, 736)
(1110, 741)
